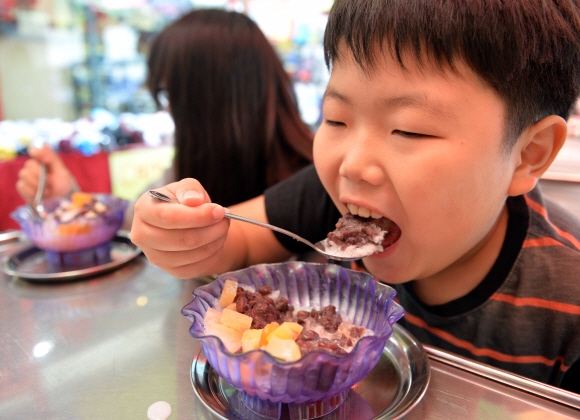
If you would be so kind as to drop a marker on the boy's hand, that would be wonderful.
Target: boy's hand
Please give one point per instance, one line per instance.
(59, 180)
(185, 237)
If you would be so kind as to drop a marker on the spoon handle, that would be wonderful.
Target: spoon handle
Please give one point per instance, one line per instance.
(41, 184)
(271, 227)
(319, 246)
(35, 206)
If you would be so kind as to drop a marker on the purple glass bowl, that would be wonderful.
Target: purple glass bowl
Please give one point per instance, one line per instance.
(317, 375)
(79, 235)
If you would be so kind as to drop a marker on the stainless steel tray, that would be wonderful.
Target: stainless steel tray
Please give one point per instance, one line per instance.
(29, 262)
(521, 383)
(389, 391)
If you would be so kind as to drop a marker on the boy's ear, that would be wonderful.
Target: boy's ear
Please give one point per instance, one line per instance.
(536, 149)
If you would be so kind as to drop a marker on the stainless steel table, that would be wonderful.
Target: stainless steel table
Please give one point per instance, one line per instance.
(110, 346)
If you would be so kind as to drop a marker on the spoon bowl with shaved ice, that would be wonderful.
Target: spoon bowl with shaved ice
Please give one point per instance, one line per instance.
(76, 229)
(361, 233)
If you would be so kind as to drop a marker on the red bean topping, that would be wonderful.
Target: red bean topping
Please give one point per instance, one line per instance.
(264, 290)
(265, 310)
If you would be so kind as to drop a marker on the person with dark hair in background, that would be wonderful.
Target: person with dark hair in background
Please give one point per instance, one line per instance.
(232, 102)
(237, 125)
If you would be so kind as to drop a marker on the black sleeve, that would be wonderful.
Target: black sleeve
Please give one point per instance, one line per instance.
(301, 205)
(571, 381)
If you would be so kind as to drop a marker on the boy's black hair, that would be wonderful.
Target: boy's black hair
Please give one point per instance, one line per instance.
(526, 50)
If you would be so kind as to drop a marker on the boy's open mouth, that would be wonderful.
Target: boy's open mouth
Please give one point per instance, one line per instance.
(362, 226)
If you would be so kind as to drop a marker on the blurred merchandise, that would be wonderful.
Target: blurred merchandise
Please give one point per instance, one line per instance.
(101, 131)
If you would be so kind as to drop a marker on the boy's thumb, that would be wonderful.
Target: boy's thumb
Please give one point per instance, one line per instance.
(190, 192)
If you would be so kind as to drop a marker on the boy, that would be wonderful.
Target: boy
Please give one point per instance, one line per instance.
(440, 116)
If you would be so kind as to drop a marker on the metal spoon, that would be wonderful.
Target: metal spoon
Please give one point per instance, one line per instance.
(320, 246)
(36, 205)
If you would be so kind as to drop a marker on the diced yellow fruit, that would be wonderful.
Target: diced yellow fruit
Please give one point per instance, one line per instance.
(287, 331)
(295, 326)
(266, 331)
(228, 293)
(211, 315)
(236, 320)
(286, 350)
(251, 340)
(231, 338)
(232, 306)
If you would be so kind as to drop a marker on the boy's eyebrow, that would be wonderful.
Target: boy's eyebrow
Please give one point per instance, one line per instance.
(331, 93)
(421, 101)
(415, 100)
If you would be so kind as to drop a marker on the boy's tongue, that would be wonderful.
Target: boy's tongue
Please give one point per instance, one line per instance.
(394, 231)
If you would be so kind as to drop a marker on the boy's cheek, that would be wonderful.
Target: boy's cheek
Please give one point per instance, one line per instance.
(318, 151)
(318, 140)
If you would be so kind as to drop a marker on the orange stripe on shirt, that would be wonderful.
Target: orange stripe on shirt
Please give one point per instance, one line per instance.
(530, 243)
(538, 208)
(484, 352)
(538, 303)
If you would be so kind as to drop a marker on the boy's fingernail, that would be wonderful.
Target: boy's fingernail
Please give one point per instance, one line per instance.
(191, 194)
(218, 212)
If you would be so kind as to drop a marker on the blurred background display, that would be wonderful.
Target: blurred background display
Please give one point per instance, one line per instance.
(67, 59)
(72, 75)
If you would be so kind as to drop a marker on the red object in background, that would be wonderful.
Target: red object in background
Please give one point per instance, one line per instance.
(1, 107)
(91, 172)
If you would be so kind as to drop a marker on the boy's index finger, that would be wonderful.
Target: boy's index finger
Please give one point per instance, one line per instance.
(174, 215)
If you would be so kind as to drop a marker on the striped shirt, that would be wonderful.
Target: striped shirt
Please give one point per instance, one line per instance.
(524, 317)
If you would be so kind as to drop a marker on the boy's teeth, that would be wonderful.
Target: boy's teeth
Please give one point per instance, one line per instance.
(363, 211)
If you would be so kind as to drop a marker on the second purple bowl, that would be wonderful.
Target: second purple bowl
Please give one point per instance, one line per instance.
(78, 235)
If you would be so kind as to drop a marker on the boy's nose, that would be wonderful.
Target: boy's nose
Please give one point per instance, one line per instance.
(362, 163)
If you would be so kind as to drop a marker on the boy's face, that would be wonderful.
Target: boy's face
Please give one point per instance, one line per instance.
(424, 149)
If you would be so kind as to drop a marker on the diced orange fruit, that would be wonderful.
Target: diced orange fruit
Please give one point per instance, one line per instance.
(236, 320)
(266, 331)
(211, 315)
(287, 331)
(232, 306)
(78, 199)
(251, 340)
(228, 293)
(286, 350)
(231, 338)
(73, 228)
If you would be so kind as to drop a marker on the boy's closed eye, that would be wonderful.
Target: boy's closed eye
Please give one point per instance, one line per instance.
(334, 123)
(410, 134)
